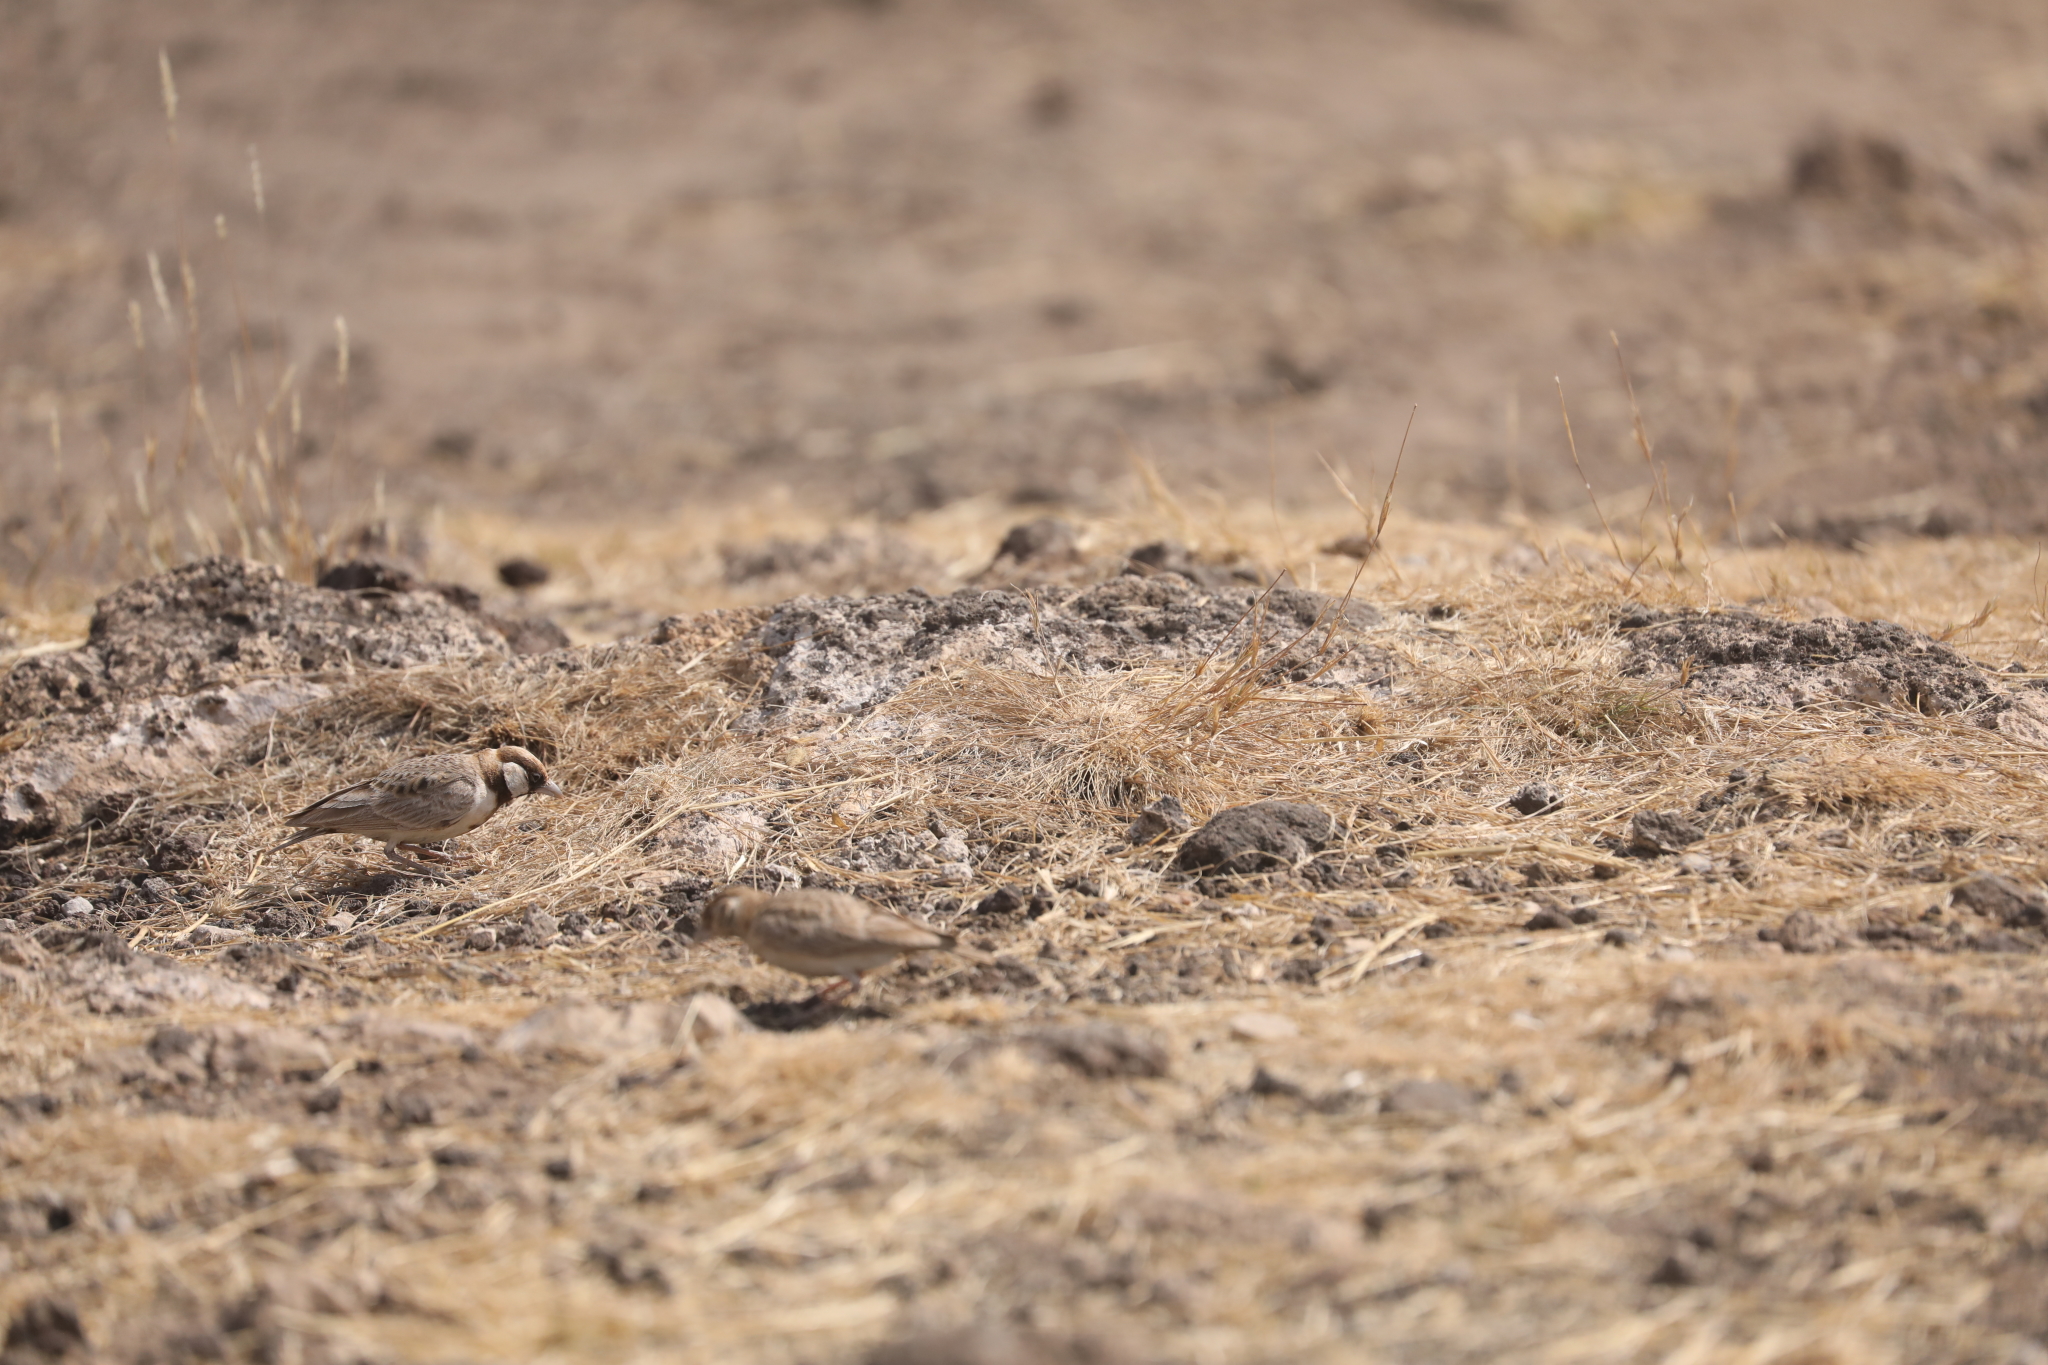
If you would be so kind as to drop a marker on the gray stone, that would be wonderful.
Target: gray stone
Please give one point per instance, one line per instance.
(1257, 838)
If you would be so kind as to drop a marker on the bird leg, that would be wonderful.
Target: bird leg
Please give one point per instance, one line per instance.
(850, 980)
(410, 864)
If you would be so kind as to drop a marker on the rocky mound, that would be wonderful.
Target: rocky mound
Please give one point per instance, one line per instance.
(846, 654)
(178, 665)
(219, 622)
(1759, 661)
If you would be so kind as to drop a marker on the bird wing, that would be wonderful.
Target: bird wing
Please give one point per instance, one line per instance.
(419, 794)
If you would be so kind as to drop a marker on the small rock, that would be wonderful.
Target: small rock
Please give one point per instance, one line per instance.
(1663, 831)
(76, 906)
(1100, 1049)
(1617, 937)
(520, 572)
(1549, 917)
(1043, 538)
(1004, 900)
(1161, 819)
(1481, 879)
(483, 938)
(180, 851)
(1987, 893)
(411, 1108)
(541, 928)
(1801, 932)
(1537, 798)
(1697, 864)
(955, 874)
(1258, 837)
(1584, 914)
(1682, 1268)
(214, 935)
(1684, 994)
(1265, 1082)
(245, 1051)
(1428, 1097)
(1357, 545)
(1260, 1026)
(367, 575)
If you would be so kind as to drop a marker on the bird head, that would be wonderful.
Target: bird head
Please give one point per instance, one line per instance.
(725, 912)
(524, 774)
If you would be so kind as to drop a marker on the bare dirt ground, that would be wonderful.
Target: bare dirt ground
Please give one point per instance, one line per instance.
(1647, 963)
(873, 258)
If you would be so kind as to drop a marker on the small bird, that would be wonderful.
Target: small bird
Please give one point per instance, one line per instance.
(425, 800)
(813, 932)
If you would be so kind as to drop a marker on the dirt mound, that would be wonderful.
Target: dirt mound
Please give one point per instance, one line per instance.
(179, 665)
(1786, 664)
(218, 622)
(840, 654)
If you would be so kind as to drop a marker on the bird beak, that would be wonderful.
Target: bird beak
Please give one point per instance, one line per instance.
(548, 788)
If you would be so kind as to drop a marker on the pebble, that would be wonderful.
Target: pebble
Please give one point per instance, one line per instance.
(1698, 864)
(1428, 1097)
(483, 939)
(1260, 1026)
(1537, 798)
(76, 906)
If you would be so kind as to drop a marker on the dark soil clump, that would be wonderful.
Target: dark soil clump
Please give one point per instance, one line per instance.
(1257, 838)
(1788, 664)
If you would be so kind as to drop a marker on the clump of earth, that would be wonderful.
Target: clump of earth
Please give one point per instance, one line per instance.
(1782, 665)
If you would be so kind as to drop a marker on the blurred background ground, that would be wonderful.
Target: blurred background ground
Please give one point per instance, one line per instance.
(750, 262)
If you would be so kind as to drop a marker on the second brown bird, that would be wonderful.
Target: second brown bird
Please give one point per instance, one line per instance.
(814, 932)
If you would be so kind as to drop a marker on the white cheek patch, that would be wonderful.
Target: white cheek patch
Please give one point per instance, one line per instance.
(515, 779)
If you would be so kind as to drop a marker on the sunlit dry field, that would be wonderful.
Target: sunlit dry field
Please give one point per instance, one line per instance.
(1447, 598)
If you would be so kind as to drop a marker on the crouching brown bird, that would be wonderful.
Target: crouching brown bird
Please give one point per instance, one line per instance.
(425, 800)
(814, 932)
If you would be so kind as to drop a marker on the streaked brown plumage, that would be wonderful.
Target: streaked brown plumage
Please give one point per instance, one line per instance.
(425, 800)
(820, 933)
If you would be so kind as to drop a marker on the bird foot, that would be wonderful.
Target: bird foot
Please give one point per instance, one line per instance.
(398, 859)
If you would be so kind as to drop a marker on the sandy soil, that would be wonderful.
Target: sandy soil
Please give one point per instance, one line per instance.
(873, 257)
